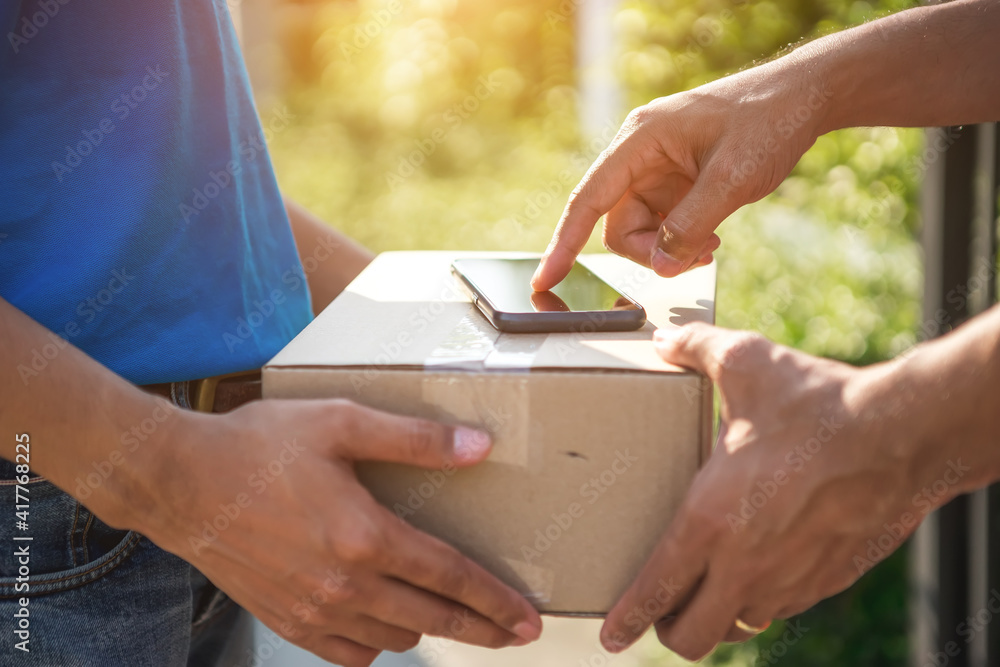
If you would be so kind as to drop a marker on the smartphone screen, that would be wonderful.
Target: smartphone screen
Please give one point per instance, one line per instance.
(503, 291)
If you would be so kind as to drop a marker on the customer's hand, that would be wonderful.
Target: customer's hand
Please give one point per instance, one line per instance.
(265, 502)
(813, 480)
(681, 164)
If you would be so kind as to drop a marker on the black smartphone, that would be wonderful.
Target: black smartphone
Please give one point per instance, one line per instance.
(582, 302)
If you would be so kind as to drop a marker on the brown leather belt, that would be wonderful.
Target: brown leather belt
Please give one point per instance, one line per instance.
(220, 393)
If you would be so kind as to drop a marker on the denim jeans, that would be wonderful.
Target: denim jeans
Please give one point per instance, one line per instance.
(101, 596)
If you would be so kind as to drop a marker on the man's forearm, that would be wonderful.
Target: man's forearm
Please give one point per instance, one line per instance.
(331, 259)
(78, 414)
(927, 66)
(938, 404)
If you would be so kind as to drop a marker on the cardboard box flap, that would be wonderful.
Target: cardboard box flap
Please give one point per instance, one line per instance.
(424, 319)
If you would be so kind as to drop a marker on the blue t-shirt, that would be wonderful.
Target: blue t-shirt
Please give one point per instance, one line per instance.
(139, 214)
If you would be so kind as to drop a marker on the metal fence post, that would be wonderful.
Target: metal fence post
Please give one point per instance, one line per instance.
(955, 555)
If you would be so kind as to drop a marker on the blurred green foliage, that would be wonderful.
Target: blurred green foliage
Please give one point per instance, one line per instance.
(439, 124)
(447, 124)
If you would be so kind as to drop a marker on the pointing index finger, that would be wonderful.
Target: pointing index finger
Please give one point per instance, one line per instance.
(602, 186)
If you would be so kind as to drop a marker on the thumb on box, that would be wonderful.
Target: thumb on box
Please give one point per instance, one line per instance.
(695, 345)
(373, 435)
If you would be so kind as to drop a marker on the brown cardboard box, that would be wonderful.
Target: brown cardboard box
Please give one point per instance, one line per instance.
(595, 438)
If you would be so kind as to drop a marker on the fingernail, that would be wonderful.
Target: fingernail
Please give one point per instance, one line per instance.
(665, 265)
(665, 339)
(520, 641)
(470, 445)
(612, 646)
(527, 631)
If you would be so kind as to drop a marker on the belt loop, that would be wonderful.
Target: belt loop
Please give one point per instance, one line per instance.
(204, 393)
(180, 394)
